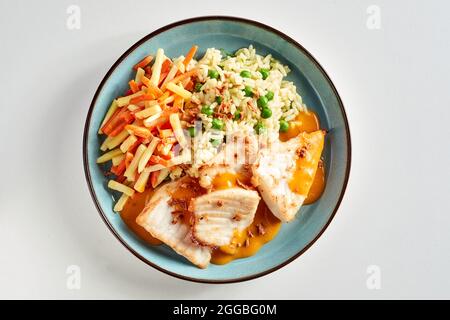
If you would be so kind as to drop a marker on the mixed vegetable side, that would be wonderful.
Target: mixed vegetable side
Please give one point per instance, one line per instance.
(143, 130)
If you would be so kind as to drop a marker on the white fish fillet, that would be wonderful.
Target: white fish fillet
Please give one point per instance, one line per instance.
(239, 152)
(276, 167)
(220, 213)
(157, 219)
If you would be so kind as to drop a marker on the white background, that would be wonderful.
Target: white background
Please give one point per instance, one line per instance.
(395, 86)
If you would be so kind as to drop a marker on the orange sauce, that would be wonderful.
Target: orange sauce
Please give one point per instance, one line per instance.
(132, 209)
(304, 122)
(225, 181)
(188, 190)
(317, 186)
(264, 228)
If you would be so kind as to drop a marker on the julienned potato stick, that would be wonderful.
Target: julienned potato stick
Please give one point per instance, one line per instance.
(121, 203)
(181, 77)
(147, 154)
(123, 101)
(147, 112)
(117, 140)
(109, 155)
(109, 113)
(131, 170)
(156, 69)
(139, 74)
(128, 143)
(104, 145)
(179, 90)
(150, 120)
(141, 182)
(118, 159)
(158, 176)
(174, 119)
(173, 71)
(114, 185)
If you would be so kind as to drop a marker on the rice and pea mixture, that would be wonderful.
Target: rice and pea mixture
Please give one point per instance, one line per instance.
(242, 92)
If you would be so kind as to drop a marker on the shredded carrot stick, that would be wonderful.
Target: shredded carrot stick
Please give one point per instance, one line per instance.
(117, 122)
(133, 86)
(159, 160)
(162, 78)
(190, 55)
(154, 177)
(139, 131)
(181, 77)
(144, 97)
(151, 88)
(119, 169)
(135, 145)
(148, 71)
(121, 178)
(189, 86)
(167, 64)
(128, 158)
(178, 102)
(143, 63)
(164, 97)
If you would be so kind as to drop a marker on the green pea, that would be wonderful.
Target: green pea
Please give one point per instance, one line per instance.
(217, 124)
(215, 142)
(262, 102)
(191, 131)
(269, 95)
(264, 73)
(284, 125)
(260, 128)
(248, 91)
(213, 74)
(198, 87)
(266, 113)
(246, 74)
(207, 110)
(219, 99)
(237, 115)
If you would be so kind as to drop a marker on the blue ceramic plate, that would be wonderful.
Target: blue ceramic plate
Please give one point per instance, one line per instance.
(318, 93)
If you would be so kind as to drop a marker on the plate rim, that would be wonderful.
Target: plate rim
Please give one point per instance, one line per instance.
(152, 35)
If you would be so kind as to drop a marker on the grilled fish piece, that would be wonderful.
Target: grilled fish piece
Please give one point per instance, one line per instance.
(235, 158)
(219, 214)
(285, 172)
(158, 219)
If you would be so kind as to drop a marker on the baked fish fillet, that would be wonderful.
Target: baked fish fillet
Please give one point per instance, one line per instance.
(238, 153)
(285, 172)
(219, 214)
(157, 218)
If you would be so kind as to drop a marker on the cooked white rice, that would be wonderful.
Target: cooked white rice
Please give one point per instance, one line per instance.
(286, 103)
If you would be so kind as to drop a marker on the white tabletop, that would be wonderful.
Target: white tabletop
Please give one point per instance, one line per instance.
(392, 74)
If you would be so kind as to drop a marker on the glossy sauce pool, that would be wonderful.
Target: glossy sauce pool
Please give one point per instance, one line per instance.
(132, 209)
(265, 225)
